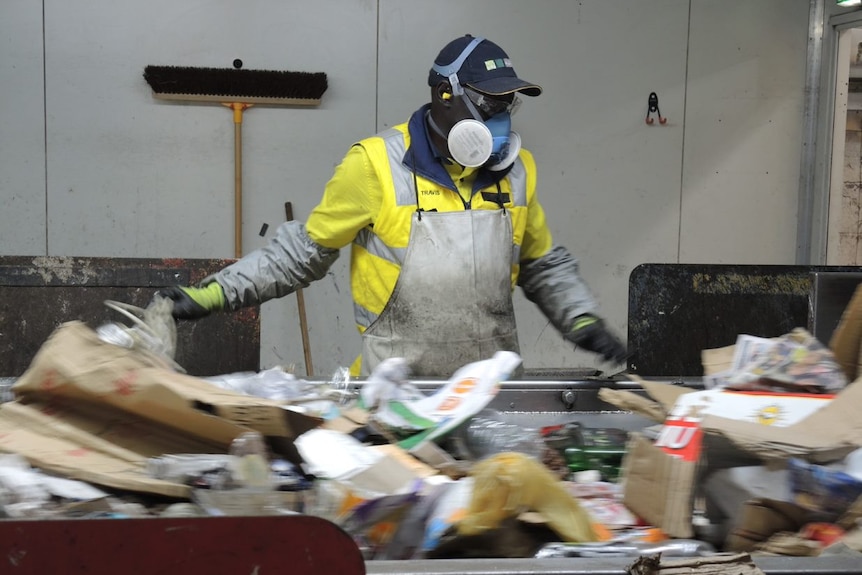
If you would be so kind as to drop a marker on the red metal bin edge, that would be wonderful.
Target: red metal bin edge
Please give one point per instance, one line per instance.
(824, 565)
(295, 544)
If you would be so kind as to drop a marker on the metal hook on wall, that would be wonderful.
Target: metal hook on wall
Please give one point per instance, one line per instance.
(652, 108)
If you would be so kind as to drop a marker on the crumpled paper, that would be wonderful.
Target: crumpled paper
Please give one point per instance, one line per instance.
(796, 362)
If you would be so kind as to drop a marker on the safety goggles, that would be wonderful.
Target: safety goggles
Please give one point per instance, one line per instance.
(489, 106)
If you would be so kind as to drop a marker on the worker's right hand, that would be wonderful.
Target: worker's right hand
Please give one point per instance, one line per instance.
(193, 302)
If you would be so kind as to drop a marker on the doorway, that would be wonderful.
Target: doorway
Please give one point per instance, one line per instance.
(844, 238)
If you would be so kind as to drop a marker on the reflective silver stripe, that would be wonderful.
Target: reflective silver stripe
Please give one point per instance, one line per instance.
(402, 177)
(374, 245)
(405, 186)
(402, 180)
(518, 183)
(363, 316)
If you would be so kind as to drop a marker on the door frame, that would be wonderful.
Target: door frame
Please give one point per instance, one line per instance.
(824, 123)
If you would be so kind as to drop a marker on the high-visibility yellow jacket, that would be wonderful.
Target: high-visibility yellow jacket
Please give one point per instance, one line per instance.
(369, 203)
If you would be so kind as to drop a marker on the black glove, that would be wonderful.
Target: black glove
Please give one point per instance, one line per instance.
(192, 302)
(589, 332)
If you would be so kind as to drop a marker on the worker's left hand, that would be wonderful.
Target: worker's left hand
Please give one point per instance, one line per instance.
(589, 333)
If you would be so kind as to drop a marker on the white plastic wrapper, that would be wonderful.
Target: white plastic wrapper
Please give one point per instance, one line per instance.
(274, 383)
(470, 389)
(321, 399)
(389, 382)
(154, 330)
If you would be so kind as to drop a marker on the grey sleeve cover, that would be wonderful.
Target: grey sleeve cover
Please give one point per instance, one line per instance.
(553, 282)
(291, 260)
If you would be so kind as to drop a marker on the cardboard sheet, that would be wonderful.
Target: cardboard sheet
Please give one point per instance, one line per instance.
(717, 360)
(94, 411)
(659, 487)
(846, 341)
(630, 401)
(69, 444)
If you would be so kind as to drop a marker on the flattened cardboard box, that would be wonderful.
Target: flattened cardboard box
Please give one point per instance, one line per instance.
(846, 340)
(94, 411)
(75, 364)
(654, 490)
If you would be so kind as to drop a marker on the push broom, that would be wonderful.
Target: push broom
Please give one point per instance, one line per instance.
(238, 90)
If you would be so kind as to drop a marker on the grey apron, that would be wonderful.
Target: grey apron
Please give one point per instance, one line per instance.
(452, 303)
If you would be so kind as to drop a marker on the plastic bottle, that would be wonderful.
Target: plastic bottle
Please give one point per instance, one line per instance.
(252, 467)
(212, 470)
(487, 434)
(589, 448)
(605, 460)
(6, 393)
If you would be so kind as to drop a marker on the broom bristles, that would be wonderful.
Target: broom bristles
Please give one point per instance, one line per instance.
(217, 83)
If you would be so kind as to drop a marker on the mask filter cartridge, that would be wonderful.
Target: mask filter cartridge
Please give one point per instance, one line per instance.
(470, 143)
(513, 148)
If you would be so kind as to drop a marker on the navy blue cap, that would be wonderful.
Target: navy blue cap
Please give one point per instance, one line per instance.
(487, 68)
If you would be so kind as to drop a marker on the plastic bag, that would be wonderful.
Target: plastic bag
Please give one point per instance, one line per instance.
(488, 433)
(154, 330)
(450, 508)
(508, 484)
(274, 383)
(321, 399)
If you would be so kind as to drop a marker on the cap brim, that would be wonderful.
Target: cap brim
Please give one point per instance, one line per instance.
(505, 85)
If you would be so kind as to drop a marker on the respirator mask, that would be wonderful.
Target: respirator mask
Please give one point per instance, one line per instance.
(477, 141)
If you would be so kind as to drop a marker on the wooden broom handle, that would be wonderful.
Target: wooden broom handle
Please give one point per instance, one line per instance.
(300, 301)
(238, 109)
(237, 195)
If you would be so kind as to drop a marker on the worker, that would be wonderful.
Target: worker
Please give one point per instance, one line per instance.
(443, 220)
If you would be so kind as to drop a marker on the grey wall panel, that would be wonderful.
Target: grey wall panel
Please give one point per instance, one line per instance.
(609, 182)
(22, 129)
(129, 176)
(132, 176)
(743, 131)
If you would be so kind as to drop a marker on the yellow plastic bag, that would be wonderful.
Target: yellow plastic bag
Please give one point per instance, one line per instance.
(508, 484)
